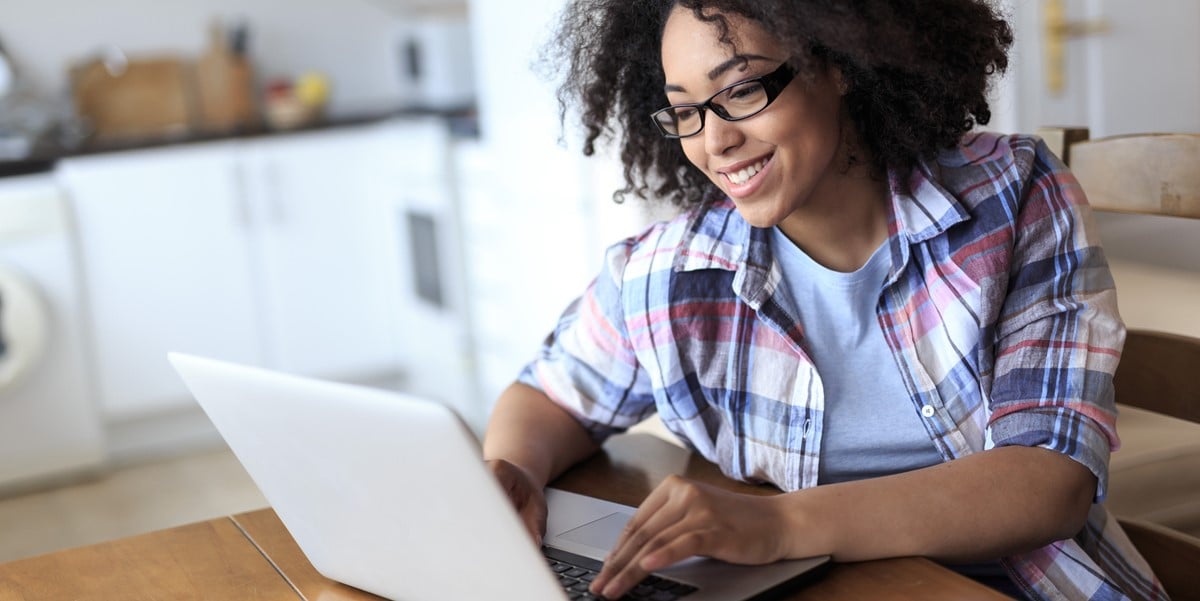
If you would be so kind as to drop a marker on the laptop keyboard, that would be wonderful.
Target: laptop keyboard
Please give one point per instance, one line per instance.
(575, 574)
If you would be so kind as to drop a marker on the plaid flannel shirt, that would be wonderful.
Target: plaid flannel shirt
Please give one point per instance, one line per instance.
(999, 310)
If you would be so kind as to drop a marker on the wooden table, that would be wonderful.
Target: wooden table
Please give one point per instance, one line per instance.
(252, 556)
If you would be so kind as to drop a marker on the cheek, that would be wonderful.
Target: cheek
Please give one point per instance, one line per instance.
(693, 149)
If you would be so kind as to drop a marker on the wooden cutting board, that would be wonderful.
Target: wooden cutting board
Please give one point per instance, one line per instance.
(225, 87)
(149, 98)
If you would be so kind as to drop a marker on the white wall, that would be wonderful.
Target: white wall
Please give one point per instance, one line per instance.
(354, 41)
(537, 214)
(1155, 260)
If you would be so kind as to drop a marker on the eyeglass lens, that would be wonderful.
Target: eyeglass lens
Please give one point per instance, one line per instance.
(735, 102)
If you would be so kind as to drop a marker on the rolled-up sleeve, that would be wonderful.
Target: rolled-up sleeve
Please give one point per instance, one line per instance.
(1060, 335)
(587, 365)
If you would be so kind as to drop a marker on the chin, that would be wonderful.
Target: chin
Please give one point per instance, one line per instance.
(758, 217)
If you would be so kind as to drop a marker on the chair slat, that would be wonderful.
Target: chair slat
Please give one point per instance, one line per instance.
(1175, 556)
(1156, 174)
(1160, 372)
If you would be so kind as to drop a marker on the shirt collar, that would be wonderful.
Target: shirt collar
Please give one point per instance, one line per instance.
(921, 207)
(718, 238)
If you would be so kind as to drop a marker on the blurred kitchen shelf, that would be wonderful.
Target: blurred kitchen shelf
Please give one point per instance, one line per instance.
(463, 122)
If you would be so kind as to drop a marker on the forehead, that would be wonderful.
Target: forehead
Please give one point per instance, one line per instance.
(691, 45)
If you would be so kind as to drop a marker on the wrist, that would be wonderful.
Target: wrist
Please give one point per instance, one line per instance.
(531, 472)
(807, 529)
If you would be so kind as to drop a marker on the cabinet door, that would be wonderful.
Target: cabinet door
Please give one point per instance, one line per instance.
(326, 241)
(163, 242)
(435, 337)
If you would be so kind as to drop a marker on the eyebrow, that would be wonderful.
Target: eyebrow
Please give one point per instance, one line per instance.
(721, 69)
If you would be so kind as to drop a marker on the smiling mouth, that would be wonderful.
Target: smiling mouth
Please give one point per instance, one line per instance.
(743, 175)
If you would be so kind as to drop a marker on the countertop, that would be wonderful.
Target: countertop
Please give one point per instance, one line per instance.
(46, 153)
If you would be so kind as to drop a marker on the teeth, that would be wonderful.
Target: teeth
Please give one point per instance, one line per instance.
(744, 175)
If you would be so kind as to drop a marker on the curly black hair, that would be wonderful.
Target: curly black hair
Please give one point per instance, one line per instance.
(917, 73)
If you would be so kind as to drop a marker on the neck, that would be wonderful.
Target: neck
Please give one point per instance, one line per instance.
(844, 221)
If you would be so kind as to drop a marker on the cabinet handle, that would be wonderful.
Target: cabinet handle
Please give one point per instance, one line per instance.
(241, 196)
(275, 195)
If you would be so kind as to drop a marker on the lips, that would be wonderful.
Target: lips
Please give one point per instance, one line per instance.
(744, 178)
(740, 176)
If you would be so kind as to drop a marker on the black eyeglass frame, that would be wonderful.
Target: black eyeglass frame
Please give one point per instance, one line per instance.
(773, 84)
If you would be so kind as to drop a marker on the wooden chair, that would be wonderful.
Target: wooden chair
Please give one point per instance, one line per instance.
(1174, 556)
(1159, 371)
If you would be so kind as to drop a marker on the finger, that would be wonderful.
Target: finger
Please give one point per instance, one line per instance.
(645, 518)
(650, 507)
(642, 525)
(674, 547)
(656, 514)
(676, 543)
(534, 517)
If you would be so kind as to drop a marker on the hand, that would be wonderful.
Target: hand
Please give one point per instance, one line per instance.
(682, 518)
(526, 495)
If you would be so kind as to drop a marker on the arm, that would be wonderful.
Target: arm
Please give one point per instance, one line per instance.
(584, 385)
(982, 506)
(530, 440)
(529, 430)
(985, 505)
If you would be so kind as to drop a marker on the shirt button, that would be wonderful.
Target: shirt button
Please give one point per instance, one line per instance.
(927, 411)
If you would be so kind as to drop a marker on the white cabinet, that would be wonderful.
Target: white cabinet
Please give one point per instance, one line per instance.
(278, 251)
(325, 241)
(435, 339)
(164, 250)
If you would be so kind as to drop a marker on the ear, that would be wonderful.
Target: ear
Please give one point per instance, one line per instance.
(835, 74)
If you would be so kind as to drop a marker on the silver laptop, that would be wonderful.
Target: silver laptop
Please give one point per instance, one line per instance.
(387, 493)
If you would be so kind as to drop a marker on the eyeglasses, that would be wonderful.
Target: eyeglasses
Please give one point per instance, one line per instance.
(741, 100)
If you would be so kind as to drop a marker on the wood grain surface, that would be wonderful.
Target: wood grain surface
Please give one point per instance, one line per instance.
(271, 536)
(203, 561)
(252, 555)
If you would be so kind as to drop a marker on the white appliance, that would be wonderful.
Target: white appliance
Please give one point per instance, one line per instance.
(49, 423)
(434, 55)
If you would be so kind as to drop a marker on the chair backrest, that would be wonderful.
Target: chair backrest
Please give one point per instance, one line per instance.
(1156, 174)
(1160, 372)
(1149, 174)
(1174, 556)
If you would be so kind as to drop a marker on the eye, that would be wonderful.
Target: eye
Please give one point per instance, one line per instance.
(747, 91)
(686, 113)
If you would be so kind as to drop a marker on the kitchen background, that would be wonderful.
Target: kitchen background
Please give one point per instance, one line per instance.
(373, 191)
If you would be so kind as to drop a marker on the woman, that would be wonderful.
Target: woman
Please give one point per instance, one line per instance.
(905, 326)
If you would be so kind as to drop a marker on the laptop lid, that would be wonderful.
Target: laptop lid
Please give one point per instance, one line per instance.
(387, 492)
(382, 491)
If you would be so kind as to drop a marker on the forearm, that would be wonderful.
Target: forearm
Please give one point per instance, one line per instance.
(983, 506)
(531, 431)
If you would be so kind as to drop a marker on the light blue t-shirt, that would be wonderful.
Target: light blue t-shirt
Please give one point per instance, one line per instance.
(871, 426)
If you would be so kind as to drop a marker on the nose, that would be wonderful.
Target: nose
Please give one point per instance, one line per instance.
(720, 136)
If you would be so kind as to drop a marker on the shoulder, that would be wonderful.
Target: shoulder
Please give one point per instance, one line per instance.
(992, 160)
(991, 171)
(711, 235)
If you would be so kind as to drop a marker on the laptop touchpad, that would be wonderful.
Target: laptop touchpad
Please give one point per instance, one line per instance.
(598, 534)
